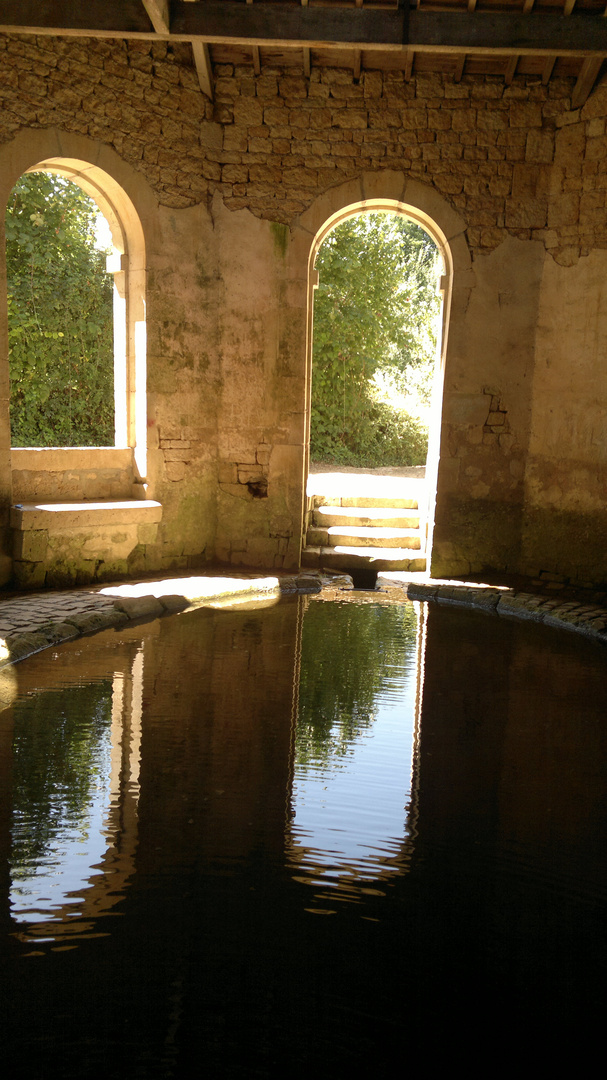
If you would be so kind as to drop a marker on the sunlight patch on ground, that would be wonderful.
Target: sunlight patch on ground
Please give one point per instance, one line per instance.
(361, 483)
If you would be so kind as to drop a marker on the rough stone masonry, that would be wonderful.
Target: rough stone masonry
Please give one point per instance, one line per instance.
(231, 194)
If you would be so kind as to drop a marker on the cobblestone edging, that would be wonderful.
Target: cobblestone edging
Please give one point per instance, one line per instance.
(32, 623)
(35, 622)
(580, 615)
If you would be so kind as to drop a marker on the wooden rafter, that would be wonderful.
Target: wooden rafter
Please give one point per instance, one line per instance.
(204, 69)
(586, 80)
(291, 25)
(547, 69)
(510, 71)
(307, 66)
(256, 54)
(358, 56)
(202, 62)
(590, 70)
(158, 11)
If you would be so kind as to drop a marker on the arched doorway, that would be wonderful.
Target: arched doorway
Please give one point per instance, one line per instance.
(414, 211)
(376, 310)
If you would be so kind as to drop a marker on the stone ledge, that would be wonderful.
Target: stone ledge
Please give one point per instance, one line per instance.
(68, 515)
(27, 625)
(579, 616)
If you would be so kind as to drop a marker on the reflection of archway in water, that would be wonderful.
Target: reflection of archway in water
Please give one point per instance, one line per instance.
(88, 863)
(244, 755)
(349, 834)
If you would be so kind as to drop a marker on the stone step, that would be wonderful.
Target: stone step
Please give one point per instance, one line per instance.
(363, 536)
(375, 516)
(353, 558)
(360, 488)
(367, 501)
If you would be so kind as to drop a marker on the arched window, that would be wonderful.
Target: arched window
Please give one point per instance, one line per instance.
(60, 317)
(85, 352)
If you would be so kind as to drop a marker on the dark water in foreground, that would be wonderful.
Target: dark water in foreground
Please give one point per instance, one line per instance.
(311, 839)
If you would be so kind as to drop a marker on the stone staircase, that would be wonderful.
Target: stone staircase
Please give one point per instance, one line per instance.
(365, 521)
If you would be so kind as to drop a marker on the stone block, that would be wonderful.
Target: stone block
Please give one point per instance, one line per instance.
(175, 470)
(570, 143)
(529, 214)
(539, 147)
(563, 210)
(31, 546)
(350, 119)
(248, 112)
(465, 410)
(525, 114)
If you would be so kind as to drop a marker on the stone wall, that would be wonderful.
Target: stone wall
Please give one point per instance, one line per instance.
(516, 160)
(231, 195)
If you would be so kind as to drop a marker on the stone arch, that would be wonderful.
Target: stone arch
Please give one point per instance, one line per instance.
(128, 266)
(389, 190)
(126, 203)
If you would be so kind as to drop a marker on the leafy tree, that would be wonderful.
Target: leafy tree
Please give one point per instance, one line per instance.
(351, 654)
(60, 317)
(59, 758)
(375, 316)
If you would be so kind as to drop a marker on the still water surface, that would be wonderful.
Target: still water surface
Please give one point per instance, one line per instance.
(297, 839)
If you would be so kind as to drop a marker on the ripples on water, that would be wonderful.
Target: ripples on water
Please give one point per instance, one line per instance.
(298, 839)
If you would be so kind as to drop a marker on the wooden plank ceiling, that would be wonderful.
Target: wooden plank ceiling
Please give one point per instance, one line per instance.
(544, 38)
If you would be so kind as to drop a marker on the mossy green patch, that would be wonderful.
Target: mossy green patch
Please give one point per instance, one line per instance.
(280, 235)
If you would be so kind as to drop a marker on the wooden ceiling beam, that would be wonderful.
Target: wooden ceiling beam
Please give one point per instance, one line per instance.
(460, 64)
(204, 68)
(485, 32)
(202, 57)
(586, 80)
(293, 25)
(256, 54)
(510, 71)
(307, 61)
(548, 68)
(158, 12)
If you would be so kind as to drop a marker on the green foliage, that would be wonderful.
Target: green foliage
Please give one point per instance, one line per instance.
(58, 758)
(351, 654)
(375, 315)
(60, 317)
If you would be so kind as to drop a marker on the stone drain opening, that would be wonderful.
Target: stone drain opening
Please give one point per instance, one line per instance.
(364, 579)
(258, 488)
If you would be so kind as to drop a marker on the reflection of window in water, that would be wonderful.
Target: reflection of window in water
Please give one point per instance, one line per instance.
(76, 763)
(355, 741)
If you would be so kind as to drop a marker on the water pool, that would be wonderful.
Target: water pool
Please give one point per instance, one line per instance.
(301, 839)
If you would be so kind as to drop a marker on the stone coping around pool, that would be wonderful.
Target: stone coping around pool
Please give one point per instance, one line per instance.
(579, 614)
(32, 622)
(35, 621)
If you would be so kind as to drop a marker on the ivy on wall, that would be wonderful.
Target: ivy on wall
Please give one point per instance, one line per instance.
(61, 355)
(375, 317)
